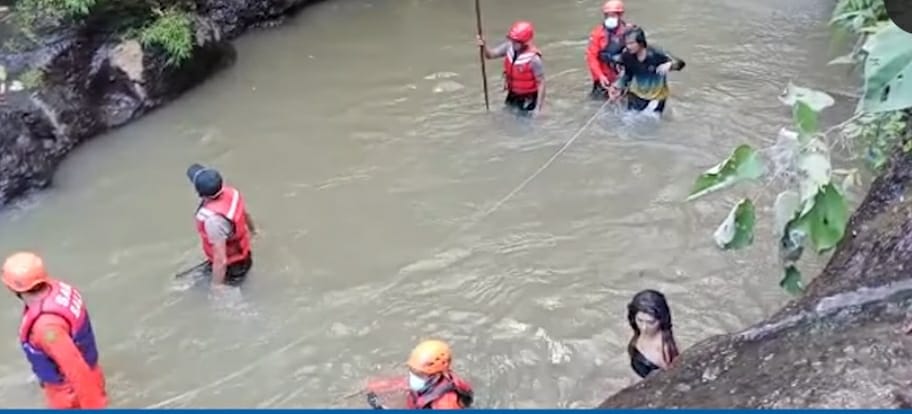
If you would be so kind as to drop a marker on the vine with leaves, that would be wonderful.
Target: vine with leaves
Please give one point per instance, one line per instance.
(811, 210)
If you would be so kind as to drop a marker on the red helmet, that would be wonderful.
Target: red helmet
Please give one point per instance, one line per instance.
(521, 31)
(613, 6)
(24, 271)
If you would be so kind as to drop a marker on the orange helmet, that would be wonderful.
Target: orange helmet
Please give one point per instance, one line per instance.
(521, 31)
(613, 6)
(430, 357)
(23, 271)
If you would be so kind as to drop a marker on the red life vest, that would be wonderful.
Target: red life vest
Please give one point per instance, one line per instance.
(65, 302)
(230, 205)
(518, 75)
(446, 384)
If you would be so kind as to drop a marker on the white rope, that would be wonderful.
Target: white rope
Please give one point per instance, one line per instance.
(475, 222)
(543, 167)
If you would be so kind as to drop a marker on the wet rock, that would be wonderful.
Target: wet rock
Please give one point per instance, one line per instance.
(92, 81)
(841, 345)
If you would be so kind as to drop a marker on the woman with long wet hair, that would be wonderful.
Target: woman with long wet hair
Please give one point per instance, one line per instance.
(652, 346)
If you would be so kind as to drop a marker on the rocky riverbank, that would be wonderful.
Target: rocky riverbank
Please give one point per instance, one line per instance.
(94, 79)
(841, 345)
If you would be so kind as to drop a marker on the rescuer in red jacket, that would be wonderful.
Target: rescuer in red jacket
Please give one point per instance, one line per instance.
(606, 42)
(431, 381)
(56, 335)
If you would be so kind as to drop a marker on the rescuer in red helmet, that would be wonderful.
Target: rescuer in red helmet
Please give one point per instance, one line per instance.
(523, 70)
(606, 43)
(56, 335)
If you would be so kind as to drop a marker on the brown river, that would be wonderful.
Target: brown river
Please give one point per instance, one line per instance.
(393, 208)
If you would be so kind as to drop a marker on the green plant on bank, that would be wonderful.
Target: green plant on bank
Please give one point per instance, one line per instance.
(172, 30)
(811, 211)
(169, 28)
(32, 78)
(30, 12)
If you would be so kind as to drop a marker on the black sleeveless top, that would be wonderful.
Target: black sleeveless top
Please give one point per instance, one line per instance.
(640, 364)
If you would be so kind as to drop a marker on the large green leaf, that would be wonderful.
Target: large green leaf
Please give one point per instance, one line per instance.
(737, 230)
(887, 70)
(743, 164)
(791, 280)
(825, 221)
(805, 117)
(816, 100)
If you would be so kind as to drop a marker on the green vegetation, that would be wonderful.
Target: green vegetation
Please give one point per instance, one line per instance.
(168, 27)
(28, 13)
(172, 31)
(32, 78)
(811, 209)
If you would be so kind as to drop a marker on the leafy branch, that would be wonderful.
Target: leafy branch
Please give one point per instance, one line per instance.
(811, 211)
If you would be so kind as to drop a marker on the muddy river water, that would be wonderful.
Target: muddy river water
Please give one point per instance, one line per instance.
(393, 208)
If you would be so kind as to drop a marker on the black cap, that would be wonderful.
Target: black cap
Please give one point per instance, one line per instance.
(207, 181)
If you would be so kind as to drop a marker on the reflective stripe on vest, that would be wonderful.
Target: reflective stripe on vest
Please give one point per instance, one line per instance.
(518, 73)
(230, 205)
(65, 302)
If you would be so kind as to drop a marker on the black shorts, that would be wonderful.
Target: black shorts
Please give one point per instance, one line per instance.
(236, 272)
(635, 103)
(522, 103)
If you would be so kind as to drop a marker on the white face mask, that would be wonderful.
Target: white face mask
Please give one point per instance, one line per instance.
(611, 23)
(416, 383)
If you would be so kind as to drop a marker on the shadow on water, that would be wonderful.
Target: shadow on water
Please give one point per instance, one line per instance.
(392, 208)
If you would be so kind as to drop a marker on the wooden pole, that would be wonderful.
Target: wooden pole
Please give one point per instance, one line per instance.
(481, 55)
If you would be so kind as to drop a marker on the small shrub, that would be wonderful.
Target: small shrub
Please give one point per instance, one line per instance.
(172, 31)
(32, 78)
(31, 12)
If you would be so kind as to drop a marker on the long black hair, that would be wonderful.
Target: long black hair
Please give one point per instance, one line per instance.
(652, 303)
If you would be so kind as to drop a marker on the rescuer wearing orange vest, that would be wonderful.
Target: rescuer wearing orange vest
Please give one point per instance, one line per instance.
(431, 383)
(523, 70)
(606, 43)
(224, 226)
(56, 335)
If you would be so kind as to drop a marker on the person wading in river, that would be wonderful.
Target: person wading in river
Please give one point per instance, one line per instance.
(652, 346)
(56, 335)
(523, 70)
(431, 383)
(606, 43)
(644, 78)
(224, 226)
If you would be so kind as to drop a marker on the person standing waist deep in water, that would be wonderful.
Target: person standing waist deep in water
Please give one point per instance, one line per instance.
(606, 43)
(645, 74)
(524, 72)
(56, 335)
(652, 346)
(224, 226)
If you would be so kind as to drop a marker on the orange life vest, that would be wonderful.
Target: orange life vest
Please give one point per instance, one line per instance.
(230, 205)
(518, 75)
(446, 384)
